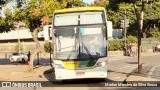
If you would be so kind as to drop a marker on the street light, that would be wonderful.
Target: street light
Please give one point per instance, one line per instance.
(18, 27)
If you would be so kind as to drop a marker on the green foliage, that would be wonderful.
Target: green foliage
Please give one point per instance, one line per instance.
(101, 4)
(115, 45)
(48, 47)
(154, 32)
(18, 46)
(35, 12)
(131, 39)
(158, 38)
(6, 23)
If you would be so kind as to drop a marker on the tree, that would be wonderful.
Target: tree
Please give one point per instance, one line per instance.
(150, 14)
(36, 14)
(139, 12)
(154, 32)
(48, 47)
(6, 23)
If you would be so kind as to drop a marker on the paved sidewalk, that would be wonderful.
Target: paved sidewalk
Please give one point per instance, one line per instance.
(149, 73)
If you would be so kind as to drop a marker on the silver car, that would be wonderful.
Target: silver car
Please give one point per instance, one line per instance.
(19, 57)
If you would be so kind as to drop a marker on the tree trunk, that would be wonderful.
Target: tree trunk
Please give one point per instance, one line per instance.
(36, 51)
(144, 35)
(140, 28)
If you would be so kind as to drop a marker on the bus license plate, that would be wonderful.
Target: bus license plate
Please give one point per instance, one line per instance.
(80, 73)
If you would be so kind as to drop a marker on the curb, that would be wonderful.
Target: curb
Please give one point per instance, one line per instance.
(139, 78)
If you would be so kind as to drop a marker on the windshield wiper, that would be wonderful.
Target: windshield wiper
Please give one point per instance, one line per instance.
(87, 50)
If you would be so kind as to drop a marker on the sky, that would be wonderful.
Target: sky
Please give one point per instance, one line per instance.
(9, 5)
(88, 1)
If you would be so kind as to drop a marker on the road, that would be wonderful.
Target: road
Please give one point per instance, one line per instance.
(119, 68)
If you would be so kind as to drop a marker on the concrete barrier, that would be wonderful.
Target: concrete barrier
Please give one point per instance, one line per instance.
(120, 53)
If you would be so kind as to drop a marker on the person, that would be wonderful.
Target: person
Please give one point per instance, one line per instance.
(29, 54)
(134, 47)
(158, 47)
(155, 48)
(128, 50)
(125, 51)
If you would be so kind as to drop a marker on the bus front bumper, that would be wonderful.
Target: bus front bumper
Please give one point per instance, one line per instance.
(97, 72)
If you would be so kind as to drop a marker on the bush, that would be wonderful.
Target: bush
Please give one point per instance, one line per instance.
(154, 32)
(131, 39)
(48, 47)
(115, 45)
(17, 47)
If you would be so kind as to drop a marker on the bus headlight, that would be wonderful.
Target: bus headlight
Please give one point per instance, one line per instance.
(59, 66)
(100, 64)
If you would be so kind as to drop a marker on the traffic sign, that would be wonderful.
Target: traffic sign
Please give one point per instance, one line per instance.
(124, 23)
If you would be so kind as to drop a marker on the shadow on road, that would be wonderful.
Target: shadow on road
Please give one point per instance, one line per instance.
(8, 62)
(132, 62)
(50, 75)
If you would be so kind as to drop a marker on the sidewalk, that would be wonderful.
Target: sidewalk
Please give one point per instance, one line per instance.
(149, 73)
(20, 73)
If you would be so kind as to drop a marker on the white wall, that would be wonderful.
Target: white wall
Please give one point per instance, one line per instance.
(109, 29)
(14, 34)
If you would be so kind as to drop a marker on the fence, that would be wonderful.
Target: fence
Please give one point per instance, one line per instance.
(27, 46)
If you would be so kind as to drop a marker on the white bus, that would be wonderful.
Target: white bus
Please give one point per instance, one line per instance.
(80, 43)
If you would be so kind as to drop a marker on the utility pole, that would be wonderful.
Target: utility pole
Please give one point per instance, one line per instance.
(50, 57)
(18, 37)
(37, 53)
(38, 58)
(50, 45)
(125, 28)
(124, 25)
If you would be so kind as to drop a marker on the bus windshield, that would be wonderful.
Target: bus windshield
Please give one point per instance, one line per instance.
(80, 43)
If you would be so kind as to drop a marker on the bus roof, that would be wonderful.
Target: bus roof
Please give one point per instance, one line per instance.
(79, 9)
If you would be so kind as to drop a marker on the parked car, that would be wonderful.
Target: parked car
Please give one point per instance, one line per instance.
(19, 57)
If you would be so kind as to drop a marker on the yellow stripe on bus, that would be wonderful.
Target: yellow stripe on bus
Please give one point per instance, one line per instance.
(79, 9)
(71, 64)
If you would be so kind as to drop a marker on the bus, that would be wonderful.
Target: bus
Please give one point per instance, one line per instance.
(80, 43)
